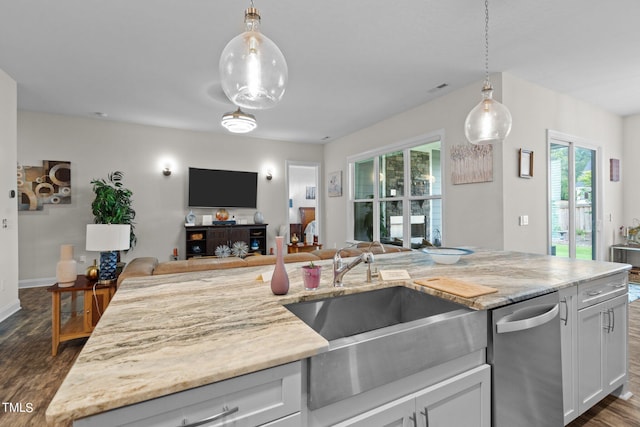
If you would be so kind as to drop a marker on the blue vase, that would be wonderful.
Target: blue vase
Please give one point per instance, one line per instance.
(108, 265)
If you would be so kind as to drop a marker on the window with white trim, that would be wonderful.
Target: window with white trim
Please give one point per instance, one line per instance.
(396, 195)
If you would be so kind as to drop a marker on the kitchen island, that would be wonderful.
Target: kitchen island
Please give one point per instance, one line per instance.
(166, 334)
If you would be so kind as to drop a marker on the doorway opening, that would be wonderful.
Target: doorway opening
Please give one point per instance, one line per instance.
(303, 206)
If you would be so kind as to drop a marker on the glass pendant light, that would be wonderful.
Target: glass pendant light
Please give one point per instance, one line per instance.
(489, 122)
(252, 69)
(239, 121)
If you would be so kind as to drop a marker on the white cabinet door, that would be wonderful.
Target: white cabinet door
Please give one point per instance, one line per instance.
(616, 361)
(464, 400)
(591, 360)
(602, 349)
(569, 347)
(399, 413)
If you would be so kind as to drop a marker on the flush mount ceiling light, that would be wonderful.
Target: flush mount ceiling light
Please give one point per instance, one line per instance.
(239, 121)
(489, 122)
(253, 70)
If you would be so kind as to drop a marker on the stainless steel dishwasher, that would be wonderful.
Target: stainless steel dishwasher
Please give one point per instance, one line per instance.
(524, 351)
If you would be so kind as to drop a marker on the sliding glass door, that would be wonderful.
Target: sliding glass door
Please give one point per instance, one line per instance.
(572, 200)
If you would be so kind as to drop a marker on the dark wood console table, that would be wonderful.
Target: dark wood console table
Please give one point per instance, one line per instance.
(202, 240)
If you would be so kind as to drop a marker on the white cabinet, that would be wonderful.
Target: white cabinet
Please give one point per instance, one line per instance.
(602, 349)
(463, 400)
(269, 396)
(569, 349)
(594, 342)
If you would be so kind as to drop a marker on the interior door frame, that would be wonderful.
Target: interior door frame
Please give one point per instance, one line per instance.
(573, 141)
(319, 192)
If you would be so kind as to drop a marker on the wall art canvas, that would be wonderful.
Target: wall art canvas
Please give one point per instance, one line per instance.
(310, 193)
(335, 184)
(614, 170)
(471, 163)
(42, 185)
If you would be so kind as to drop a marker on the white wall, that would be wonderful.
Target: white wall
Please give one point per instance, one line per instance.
(534, 110)
(486, 214)
(96, 147)
(483, 214)
(630, 172)
(630, 177)
(472, 212)
(9, 302)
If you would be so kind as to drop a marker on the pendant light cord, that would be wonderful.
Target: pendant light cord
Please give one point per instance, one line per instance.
(486, 40)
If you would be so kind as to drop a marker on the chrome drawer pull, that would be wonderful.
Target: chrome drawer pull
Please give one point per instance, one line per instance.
(414, 419)
(609, 327)
(594, 293)
(613, 319)
(426, 417)
(226, 411)
(619, 285)
(566, 317)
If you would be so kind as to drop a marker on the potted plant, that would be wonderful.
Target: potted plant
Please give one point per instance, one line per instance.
(311, 276)
(113, 204)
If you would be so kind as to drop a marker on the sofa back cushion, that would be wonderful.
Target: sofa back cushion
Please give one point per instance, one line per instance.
(143, 266)
(198, 264)
(271, 259)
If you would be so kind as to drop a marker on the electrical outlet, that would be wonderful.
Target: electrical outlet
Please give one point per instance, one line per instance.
(83, 259)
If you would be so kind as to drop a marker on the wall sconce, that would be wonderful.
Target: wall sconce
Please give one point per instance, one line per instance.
(166, 171)
(269, 176)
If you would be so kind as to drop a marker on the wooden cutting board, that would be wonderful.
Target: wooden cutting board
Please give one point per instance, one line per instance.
(456, 287)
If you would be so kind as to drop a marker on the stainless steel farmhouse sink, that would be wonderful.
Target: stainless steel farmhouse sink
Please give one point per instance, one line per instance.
(377, 337)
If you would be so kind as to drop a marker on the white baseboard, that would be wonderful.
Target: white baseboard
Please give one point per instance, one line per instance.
(36, 283)
(8, 310)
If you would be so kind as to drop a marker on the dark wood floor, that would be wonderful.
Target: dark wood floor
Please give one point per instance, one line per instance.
(30, 375)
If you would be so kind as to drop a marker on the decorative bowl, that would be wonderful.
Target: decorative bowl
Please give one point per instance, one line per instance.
(446, 255)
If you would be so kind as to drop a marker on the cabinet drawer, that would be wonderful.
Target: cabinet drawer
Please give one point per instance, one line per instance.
(602, 289)
(249, 400)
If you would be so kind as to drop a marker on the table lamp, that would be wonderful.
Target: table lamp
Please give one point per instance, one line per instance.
(108, 239)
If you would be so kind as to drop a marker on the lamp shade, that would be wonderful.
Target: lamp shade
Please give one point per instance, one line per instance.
(108, 237)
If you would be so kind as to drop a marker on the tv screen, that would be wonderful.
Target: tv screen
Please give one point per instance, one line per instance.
(213, 188)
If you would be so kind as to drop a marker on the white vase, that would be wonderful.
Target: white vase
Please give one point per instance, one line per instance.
(258, 218)
(66, 268)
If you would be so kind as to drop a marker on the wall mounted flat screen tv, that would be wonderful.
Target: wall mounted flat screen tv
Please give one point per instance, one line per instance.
(214, 188)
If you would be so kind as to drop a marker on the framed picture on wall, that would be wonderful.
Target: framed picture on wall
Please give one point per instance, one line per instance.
(614, 170)
(335, 184)
(310, 193)
(526, 163)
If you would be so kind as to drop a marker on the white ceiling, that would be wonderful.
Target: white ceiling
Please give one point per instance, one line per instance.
(351, 62)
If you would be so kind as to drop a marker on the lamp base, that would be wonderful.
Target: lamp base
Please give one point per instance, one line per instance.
(108, 265)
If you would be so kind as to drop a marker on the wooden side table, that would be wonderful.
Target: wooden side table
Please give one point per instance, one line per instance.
(296, 248)
(80, 322)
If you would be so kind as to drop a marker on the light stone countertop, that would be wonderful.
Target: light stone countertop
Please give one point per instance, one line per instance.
(169, 333)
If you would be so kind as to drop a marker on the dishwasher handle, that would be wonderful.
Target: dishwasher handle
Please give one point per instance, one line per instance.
(515, 322)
